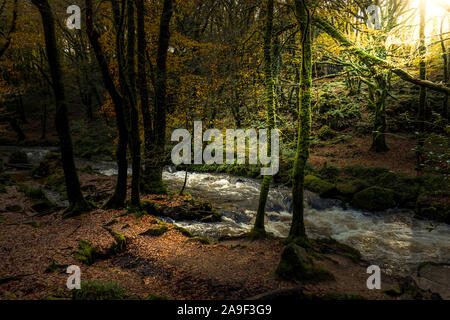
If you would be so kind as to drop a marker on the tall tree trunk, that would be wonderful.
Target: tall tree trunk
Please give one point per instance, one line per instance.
(445, 58)
(259, 228)
(153, 173)
(135, 140)
(143, 89)
(118, 199)
(77, 202)
(304, 123)
(422, 113)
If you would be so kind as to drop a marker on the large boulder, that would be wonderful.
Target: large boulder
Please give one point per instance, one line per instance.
(296, 264)
(375, 199)
(323, 188)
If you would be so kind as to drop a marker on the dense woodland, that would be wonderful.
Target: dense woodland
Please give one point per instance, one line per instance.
(358, 90)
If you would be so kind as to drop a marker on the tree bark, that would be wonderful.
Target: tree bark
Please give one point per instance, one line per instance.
(259, 228)
(117, 201)
(304, 123)
(134, 138)
(77, 202)
(154, 165)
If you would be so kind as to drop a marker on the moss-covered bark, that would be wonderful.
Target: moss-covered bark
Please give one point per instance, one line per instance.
(422, 112)
(304, 120)
(270, 105)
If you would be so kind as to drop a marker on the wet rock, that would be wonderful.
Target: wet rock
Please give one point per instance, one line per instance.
(155, 231)
(375, 199)
(319, 203)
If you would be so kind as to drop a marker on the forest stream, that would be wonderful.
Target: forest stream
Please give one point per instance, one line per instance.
(393, 239)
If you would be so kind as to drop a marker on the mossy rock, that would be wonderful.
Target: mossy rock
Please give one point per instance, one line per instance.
(34, 193)
(434, 207)
(326, 133)
(119, 245)
(329, 172)
(49, 165)
(323, 188)
(375, 199)
(329, 245)
(156, 231)
(56, 182)
(350, 187)
(202, 240)
(296, 264)
(86, 253)
(369, 174)
(100, 290)
(185, 232)
(18, 157)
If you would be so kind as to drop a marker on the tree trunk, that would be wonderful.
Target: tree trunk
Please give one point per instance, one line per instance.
(77, 202)
(135, 140)
(143, 89)
(304, 123)
(117, 201)
(154, 165)
(422, 115)
(445, 58)
(259, 228)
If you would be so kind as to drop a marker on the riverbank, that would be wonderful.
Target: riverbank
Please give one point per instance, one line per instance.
(170, 264)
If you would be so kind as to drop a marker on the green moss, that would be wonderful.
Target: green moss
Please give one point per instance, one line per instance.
(86, 253)
(375, 199)
(2, 219)
(350, 187)
(156, 231)
(329, 172)
(100, 290)
(322, 187)
(297, 265)
(256, 234)
(18, 157)
(120, 243)
(57, 183)
(185, 232)
(202, 240)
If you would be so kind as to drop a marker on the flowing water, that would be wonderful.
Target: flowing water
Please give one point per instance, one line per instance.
(393, 239)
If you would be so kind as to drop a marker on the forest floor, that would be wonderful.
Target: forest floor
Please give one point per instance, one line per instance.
(35, 252)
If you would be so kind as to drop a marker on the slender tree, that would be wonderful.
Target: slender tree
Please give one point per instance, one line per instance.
(446, 65)
(297, 231)
(259, 228)
(422, 112)
(154, 165)
(120, 193)
(134, 137)
(77, 202)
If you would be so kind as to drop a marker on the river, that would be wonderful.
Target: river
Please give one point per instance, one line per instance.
(393, 239)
